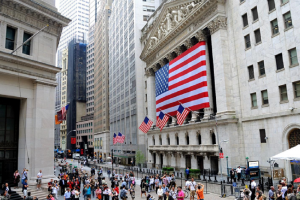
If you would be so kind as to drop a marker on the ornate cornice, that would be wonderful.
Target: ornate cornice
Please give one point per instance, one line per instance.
(167, 26)
(34, 14)
(218, 23)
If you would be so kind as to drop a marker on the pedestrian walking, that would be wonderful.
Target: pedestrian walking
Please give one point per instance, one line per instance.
(63, 185)
(143, 188)
(16, 178)
(77, 194)
(132, 191)
(108, 173)
(272, 193)
(253, 187)
(39, 180)
(24, 189)
(180, 194)
(192, 188)
(160, 193)
(231, 172)
(168, 196)
(123, 193)
(279, 193)
(239, 172)
(156, 182)
(67, 195)
(187, 171)
(54, 191)
(98, 193)
(24, 175)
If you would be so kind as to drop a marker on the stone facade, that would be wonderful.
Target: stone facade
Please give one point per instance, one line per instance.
(255, 126)
(31, 79)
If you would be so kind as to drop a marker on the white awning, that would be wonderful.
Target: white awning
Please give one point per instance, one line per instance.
(290, 154)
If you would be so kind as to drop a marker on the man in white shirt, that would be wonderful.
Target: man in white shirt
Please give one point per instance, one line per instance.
(39, 180)
(187, 184)
(192, 186)
(239, 172)
(252, 188)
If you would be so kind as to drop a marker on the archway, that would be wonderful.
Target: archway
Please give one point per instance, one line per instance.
(294, 140)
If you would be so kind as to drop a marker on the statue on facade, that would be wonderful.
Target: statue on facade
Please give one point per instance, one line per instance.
(168, 21)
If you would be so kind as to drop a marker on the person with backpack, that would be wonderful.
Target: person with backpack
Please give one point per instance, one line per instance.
(123, 194)
(108, 173)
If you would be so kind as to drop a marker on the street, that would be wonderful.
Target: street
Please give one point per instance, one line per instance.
(137, 188)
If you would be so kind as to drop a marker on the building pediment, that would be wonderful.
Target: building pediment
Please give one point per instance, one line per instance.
(172, 18)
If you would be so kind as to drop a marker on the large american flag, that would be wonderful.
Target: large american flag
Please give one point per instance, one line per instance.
(146, 125)
(183, 80)
(181, 114)
(120, 138)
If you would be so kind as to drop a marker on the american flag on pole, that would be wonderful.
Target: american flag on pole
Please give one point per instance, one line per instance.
(115, 138)
(181, 114)
(120, 138)
(162, 120)
(146, 125)
(184, 80)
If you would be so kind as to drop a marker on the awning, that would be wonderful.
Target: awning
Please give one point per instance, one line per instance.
(290, 154)
(77, 150)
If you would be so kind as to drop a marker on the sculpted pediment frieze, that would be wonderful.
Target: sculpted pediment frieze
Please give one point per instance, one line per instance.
(174, 17)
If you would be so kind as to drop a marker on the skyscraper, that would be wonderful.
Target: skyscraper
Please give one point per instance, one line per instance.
(78, 12)
(101, 114)
(126, 97)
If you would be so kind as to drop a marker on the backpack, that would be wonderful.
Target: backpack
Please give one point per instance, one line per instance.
(123, 194)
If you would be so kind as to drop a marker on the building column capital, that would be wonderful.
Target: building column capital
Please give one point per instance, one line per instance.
(218, 23)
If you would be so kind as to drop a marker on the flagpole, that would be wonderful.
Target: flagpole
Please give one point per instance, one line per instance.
(167, 114)
(198, 113)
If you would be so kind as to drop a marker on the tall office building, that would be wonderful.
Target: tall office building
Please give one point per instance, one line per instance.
(101, 114)
(126, 97)
(57, 108)
(78, 12)
(91, 58)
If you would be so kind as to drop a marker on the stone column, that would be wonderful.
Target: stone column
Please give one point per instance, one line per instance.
(182, 161)
(206, 162)
(157, 160)
(40, 137)
(194, 117)
(151, 101)
(220, 50)
(194, 163)
(173, 160)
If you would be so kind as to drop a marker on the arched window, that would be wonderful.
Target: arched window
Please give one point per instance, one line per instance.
(187, 139)
(213, 138)
(199, 138)
(294, 138)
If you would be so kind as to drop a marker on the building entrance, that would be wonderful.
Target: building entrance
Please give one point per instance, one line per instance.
(9, 137)
(294, 140)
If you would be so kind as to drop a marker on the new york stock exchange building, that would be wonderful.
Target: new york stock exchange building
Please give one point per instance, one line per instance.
(253, 83)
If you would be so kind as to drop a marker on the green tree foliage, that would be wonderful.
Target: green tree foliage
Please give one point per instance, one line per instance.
(139, 157)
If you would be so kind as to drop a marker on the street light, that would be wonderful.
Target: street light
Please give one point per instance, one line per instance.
(67, 137)
(220, 158)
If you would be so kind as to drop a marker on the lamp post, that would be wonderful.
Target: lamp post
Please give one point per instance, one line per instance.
(220, 158)
(247, 161)
(112, 161)
(227, 161)
(67, 138)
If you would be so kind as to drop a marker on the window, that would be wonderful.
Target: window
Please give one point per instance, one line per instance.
(145, 17)
(297, 89)
(10, 38)
(262, 133)
(264, 96)
(187, 140)
(177, 140)
(261, 68)
(253, 100)
(242, 1)
(283, 93)
(160, 140)
(251, 72)
(153, 141)
(213, 138)
(274, 25)
(245, 20)
(199, 139)
(26, 47)
(288, 20)
(271, 4)
(254, 13)
(168, 140)
(293, 56)
(284, 1)
(279, 61)
(257, 36)
(247, 41)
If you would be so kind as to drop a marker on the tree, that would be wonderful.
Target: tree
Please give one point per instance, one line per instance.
(139, 157)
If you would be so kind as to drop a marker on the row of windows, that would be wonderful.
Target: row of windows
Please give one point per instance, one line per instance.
(279, 64)
(282, 92)
(85, 125)
(274, 28)
(11, 40)
(84, 131)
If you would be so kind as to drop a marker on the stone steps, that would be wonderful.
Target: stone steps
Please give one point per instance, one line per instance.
(40, 194)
